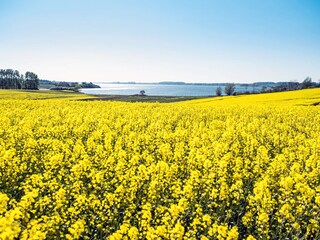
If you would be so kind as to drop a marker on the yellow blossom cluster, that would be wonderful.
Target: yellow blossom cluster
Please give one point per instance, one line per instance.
(111, 170)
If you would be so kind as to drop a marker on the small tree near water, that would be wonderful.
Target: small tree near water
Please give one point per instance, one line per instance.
(218, 91)
(229, 89)
(307, 83)
(142, 92)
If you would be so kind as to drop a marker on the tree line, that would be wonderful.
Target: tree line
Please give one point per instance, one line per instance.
(229, 88)
(12, 79)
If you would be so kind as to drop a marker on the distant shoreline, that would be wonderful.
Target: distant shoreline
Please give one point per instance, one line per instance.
(186, 83)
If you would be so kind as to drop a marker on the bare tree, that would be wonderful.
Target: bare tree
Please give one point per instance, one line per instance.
(307, 83)
(218, 91)
(229, 88)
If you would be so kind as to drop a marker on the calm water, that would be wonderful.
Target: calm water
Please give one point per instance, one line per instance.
(159, 89)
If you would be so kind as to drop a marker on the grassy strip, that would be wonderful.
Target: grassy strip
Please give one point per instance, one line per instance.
(136, 98)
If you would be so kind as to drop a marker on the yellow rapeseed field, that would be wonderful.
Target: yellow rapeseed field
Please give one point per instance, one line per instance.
(244, 167)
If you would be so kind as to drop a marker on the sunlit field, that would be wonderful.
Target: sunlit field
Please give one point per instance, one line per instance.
(40, 95)
(307, 97)
(242, 167)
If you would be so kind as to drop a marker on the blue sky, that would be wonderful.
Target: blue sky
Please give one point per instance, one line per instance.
(162, 40)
